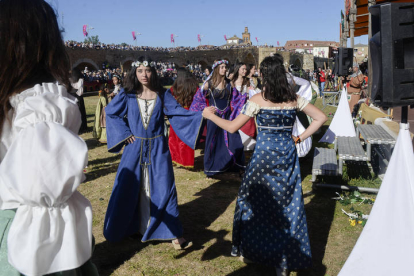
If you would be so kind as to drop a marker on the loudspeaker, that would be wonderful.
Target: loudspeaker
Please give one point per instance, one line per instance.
(343, 61)
(392, 54)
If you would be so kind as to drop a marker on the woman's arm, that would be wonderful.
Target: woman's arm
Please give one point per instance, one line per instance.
(319, 118)
(230, 126)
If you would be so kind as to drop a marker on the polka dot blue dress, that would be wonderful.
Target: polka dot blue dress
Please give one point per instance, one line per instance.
(269, 221)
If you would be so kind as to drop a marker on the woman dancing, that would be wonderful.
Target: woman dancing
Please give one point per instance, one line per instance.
(144, 197)
(269, 221)
(241, 83)
(223, 150)
(183, 90)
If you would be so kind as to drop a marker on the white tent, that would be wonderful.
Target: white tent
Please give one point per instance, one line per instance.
(342, 124)
(386, 245)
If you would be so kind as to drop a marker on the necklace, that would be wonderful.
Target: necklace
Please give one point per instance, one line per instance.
(220, 111)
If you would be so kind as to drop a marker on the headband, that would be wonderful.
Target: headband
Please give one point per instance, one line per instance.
(218, 63)
(144, 63)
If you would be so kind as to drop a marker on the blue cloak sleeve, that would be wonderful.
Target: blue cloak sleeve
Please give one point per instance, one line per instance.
(117, 128)
(186, 124)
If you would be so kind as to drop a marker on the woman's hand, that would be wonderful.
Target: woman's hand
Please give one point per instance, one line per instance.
(130, 140)
(208, 112)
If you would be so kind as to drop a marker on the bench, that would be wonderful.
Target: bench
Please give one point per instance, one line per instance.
(349, 148)
(324, 163)
(374, 135)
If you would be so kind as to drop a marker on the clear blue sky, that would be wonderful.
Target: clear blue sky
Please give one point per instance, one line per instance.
(156, 20)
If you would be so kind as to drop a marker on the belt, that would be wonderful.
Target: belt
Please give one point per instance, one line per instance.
(268, 127)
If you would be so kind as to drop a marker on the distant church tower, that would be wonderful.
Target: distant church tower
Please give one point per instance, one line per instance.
(246, 36)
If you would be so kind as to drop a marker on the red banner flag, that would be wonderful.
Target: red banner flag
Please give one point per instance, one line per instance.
(198, 38)
(278, 43)
(257, 40)
(85, 30)
(134, 36)
(225, 37)
(172, 38)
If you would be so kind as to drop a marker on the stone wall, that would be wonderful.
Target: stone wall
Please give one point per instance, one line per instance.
(251, 55)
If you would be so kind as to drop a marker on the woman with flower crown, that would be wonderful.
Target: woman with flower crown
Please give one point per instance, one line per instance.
(223, 150)
(144, 197)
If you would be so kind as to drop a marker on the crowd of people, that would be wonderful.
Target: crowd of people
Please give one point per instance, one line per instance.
(167, 71)
(47, 229)
(125, 47)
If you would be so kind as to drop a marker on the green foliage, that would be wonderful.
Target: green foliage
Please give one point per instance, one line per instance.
(354, 197)
(92, 39)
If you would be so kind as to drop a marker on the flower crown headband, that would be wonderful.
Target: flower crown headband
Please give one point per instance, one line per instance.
(144, 63)
(212, 69)
(218, 63)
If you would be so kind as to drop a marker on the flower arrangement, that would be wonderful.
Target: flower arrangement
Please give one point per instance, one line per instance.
(354, 216)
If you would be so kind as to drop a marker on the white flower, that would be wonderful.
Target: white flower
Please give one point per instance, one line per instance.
(145, 63)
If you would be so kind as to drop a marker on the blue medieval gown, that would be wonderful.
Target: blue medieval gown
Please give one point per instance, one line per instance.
(149, 151)
(223, 151)
(269, 222)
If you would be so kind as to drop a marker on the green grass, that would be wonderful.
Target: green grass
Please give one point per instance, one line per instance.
(206, 211)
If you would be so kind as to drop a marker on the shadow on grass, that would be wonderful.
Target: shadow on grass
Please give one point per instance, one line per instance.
(253, 270)
(102, 171)
(111, 159)
(109, 256)
(319, 215)
(93, 143)
(200, 213)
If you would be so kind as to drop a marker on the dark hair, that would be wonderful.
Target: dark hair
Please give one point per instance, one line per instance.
(208, 68)
(118, 77)
(76, 75)
(236, 75)
(31, 49)
(276, 87)
(132, 84)
(103, 91)
(184, 87)
(249, 68)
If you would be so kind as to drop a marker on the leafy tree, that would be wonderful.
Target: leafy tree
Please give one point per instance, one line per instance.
(123, 44)
(92, 39)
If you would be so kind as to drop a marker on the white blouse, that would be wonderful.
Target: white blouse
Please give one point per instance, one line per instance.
(41, 165)
(79, 86)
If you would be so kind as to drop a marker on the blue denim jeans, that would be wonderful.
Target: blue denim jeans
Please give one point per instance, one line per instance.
(321, 88)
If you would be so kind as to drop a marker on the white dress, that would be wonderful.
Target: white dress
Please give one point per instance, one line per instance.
(146, 107)
(248, 142)
(41, 166)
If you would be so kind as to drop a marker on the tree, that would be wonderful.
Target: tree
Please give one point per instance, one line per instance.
(123, 44)
(92, 39)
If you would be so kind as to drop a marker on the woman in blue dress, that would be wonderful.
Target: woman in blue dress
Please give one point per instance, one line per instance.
(269, 221)
(223, 150)
(144, 196)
